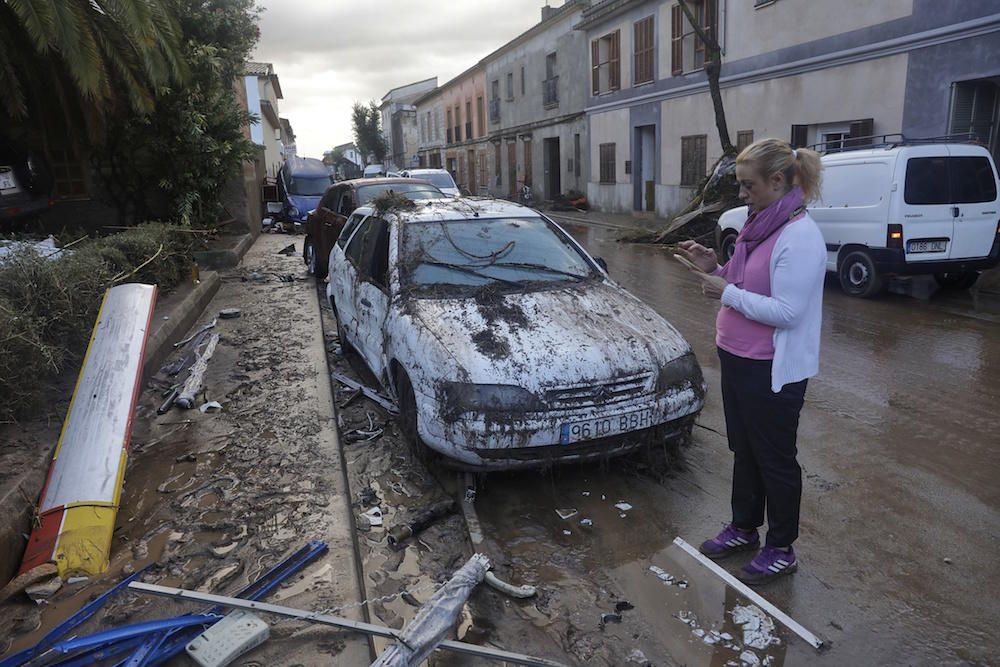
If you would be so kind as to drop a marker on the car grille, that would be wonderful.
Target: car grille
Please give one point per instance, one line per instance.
(602, 393)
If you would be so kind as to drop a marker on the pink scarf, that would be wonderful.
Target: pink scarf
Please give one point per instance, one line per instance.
(757, 229)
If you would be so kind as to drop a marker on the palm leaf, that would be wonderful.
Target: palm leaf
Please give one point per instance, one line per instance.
(37, 17)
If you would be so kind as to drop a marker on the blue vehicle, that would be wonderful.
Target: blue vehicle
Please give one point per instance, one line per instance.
(302, 181)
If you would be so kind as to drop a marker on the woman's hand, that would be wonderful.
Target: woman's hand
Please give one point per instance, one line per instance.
(702, 257)
(713, 286)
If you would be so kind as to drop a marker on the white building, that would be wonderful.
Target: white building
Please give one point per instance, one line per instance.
(263, 92)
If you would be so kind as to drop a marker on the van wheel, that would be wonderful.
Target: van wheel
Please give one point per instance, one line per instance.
(309, 255)
(957, 279)
(858, 276)
(408, 417)
(727, 246)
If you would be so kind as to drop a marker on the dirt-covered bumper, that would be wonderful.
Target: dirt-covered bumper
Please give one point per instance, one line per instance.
(503, 441)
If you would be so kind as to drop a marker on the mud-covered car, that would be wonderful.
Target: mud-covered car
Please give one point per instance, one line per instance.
(504, 342)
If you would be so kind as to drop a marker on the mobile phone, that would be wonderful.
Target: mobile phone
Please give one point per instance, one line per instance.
(688, 263)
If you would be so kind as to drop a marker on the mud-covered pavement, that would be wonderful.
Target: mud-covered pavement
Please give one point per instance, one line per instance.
(900, 523)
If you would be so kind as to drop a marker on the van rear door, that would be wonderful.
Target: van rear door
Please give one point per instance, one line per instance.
(974, 197)
(926, 211)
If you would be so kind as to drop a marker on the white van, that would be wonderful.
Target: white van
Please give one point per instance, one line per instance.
(902, 210)
(374, 171)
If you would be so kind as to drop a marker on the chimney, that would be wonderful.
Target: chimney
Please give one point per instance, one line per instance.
(547, 12)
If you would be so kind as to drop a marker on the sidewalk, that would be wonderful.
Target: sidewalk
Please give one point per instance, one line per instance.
(216, 498)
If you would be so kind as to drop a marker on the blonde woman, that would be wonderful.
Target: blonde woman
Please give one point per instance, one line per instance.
(767, 332)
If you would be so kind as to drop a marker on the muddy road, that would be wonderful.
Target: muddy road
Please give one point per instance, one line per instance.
(898, 445)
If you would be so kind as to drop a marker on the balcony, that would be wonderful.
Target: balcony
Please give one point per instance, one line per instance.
(550, 92)
(495, 110)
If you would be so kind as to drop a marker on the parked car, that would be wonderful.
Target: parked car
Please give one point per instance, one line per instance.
(301, 184)
(25, 185)
(505, 343)
(324, 224)
(902, 210)
(439, 177)
(374, 171)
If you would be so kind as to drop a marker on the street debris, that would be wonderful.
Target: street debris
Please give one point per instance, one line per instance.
(78, 505)
(369, 393)
(668, 578)
(230, 313)
(567, 513)
(623, 506)
(236, 634)
(201, 330)
(419, 521)
(288, 250)
(586, 522)
(610, 618)
(169, 401)
(193, 383)
(43, 590)
(758, 628)
(211, 406)
(374, 516)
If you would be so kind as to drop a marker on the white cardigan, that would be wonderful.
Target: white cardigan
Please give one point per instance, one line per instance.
(795, 307)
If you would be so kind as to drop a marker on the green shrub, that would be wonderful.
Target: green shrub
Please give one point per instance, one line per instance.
(48, 306)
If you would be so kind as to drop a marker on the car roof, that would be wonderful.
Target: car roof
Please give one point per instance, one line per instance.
(358, 182)
(893, 150)
(427, 171)
(466, 208)
(305, 166)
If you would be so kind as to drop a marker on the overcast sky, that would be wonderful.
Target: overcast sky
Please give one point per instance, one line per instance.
(329, 53)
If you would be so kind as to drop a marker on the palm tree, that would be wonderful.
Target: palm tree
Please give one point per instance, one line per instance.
(84, 60)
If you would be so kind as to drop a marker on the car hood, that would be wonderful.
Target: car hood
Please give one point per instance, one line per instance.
(553, 337)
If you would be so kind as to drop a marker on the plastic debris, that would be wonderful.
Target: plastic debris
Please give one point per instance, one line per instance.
(374, 516)
(567, 532)
(610, 618)
(586, 522)
(667, 578)
(240, 631)
(287, 250)
(624, 605)
(211, 406)
(567, 513)
(749, 658)
(419, 521)
(638, 657)
(623, 506)
(758, 627)
(230, 313)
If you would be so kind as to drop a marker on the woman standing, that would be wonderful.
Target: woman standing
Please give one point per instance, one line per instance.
(767, 332)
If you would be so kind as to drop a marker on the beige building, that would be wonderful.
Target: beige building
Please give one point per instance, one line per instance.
(262, 94)
(810, 72)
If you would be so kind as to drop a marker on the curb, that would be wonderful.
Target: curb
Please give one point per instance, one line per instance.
(20, 491)
(227, 258)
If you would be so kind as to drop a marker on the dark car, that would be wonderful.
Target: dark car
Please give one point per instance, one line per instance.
(25, 185)
(324, 224)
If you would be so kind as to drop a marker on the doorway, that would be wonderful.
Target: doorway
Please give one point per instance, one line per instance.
(552, 167)
(645, 172)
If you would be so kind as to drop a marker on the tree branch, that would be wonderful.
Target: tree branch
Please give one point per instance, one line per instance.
(710, 42)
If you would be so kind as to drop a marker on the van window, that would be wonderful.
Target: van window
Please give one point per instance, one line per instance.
(972, 180)
(950, 180)
(926, 181)
(854, 185)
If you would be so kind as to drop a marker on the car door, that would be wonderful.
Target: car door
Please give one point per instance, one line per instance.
(926, 209)
(332, 221)
(345, 280)
(372, 301)
(974, 198)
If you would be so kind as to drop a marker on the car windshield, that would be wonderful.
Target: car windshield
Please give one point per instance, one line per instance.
(412, 191)
(308, 186)
(471, 253)
(441, 180)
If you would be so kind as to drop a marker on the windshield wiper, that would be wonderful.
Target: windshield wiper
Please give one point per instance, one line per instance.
(471, 271)
(539, 267)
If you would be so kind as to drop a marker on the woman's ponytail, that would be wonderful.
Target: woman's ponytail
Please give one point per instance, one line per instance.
(801, 166)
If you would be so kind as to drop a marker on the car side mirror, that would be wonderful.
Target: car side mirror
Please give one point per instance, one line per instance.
(601, 263)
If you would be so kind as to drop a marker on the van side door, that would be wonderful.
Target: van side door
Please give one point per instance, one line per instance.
(853, 206)
(925, 207)
(974, 196)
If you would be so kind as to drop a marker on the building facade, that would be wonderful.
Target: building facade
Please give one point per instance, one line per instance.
(536, 102)
(430, 123)
(466, 152)
(263, 90)
(808, 72)
(399, 123)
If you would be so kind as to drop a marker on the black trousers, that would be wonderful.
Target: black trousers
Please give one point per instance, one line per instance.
(762, 428)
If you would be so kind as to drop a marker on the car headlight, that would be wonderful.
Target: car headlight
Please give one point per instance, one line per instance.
(678, 372)
(460, 397)
(293, 212)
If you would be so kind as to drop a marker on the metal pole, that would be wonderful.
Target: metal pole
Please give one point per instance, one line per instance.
(335, 621)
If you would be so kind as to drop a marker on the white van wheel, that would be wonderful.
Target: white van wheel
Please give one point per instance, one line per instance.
(858, 276)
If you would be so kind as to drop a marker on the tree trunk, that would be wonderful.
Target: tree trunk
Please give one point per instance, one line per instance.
(713, 68)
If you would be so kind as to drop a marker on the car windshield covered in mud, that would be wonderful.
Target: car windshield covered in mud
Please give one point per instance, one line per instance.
(501, 252)
(504, 342)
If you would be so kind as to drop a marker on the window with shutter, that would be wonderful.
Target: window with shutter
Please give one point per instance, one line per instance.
(607, 162)
(694, 158)
(861, 133)
(642, 60)
(605, 53)
(595, 67)
(800, 136)
(614, 64)
(743, 139)
(676, 40)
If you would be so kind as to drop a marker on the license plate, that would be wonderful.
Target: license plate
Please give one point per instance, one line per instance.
(7, 179)
(926, 246)
(604, 427)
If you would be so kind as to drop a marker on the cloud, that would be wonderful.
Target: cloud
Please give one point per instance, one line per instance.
(329, 53)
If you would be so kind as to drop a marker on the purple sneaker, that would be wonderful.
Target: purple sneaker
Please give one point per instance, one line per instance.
(730, 541)
(769, 564)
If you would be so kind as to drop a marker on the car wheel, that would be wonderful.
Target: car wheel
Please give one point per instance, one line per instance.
(408, 417)
(957, 279)
(727, 246)
(309, 255)
(858, 276)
